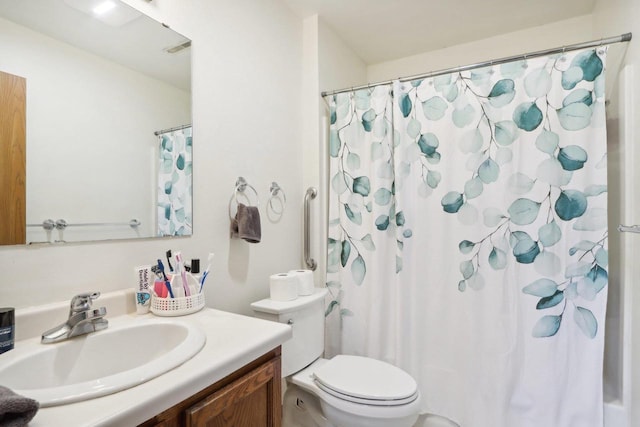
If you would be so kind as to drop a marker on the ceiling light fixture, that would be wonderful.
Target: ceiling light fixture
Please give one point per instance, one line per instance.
(110, 12)
(104, 7)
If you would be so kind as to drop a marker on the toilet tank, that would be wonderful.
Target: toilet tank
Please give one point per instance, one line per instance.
(306, 317)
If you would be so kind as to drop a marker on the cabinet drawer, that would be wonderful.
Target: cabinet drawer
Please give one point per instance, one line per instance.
(253, 400)
(248, 397)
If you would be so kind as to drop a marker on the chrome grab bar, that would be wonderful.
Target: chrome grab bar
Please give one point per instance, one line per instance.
(311, 194)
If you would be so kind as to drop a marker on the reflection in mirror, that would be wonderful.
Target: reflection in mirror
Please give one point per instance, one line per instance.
(102, 94)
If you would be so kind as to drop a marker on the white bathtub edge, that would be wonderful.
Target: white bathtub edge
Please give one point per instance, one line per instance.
(614, 414)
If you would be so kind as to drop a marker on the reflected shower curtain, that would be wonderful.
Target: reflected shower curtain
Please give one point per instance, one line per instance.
(468, 238)
(175, 189)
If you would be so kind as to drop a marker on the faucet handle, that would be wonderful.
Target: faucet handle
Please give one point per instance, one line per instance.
(82, 302)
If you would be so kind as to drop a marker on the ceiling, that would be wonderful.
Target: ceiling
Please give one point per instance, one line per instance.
(138, 44)
(382, 30)
(376, 30)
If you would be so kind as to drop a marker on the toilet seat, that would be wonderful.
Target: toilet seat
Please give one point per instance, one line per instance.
(362, 401)
(368, 411)
(365, 381)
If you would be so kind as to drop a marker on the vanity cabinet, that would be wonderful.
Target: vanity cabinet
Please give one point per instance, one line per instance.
(249, 397)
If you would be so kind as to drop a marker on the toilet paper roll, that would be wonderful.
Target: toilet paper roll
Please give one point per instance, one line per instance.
(283, 287)
(305, 281)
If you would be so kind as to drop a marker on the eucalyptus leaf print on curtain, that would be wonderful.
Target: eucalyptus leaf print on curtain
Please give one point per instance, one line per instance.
(174, 212)
(468, 238)
(366, 231)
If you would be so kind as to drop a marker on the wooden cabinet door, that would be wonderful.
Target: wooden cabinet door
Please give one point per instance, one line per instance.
(13, 166)
(253, 400)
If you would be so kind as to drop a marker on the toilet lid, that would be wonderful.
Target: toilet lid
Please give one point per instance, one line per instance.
(366, 380)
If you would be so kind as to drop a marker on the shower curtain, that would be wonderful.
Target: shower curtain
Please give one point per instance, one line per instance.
(175, 189)
(468, 238)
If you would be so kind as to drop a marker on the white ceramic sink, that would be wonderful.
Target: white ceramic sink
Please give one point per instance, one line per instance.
(85, 367)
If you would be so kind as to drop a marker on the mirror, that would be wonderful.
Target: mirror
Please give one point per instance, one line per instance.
(95, 116)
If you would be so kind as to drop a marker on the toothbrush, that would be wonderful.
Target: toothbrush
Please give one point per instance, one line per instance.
(183, 273)
(168, 253)
(166, 281)
(206, 271)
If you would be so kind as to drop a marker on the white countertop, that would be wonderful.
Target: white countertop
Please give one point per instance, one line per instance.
(232, 341)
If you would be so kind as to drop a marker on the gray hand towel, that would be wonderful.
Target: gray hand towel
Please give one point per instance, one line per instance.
(246, 224)
(16, 410)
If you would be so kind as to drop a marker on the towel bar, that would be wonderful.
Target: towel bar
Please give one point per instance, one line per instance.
(61, 224)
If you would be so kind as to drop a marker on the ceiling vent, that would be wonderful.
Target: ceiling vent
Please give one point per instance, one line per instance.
(178, 48)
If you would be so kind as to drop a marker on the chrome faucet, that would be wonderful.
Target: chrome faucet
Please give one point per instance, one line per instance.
(83, 319)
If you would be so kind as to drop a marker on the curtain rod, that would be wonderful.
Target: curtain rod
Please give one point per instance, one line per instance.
(617, 39)
(159, 132)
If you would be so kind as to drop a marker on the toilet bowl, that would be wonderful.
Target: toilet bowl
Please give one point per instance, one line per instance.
(345, 391)
(381, 400)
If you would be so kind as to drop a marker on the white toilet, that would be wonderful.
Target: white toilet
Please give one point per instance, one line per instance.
(346, 391)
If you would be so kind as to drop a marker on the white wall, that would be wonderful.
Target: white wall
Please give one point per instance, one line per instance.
(247, 68)
(74, 98)
(555, 34)
(311, 152)
(339, 66)
(329, 64)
